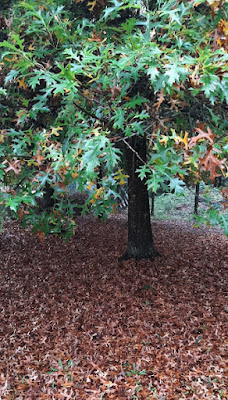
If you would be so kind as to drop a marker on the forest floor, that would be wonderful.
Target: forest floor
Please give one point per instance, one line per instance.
(76, 324)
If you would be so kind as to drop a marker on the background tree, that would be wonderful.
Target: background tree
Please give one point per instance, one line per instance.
(73, 88)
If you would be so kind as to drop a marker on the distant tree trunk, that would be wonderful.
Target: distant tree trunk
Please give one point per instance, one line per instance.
(196, 198)
(140, 240)
(152, 204)
(218, 181)
(98, 184)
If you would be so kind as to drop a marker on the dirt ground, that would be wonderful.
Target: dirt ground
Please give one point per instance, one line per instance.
(76, 324)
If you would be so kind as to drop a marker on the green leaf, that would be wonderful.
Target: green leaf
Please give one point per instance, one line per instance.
(128, 25)
(174, 72)
(224, 224)
(9, 46)
(11, 75)
(13, 203)
(112, 11)
(3, 91)
(135, 101)
(36, 78)
(153, 72)
(155, 181)
(177, 185)
(18, 41)
(119, 118)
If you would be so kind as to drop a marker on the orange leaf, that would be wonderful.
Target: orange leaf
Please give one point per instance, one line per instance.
(95, 38)
(225, 193)
(39, 157)
(114, 210)
(14, 166)
(22, 83)
(40, 235)
(203, 135)
(174, 103)
(212, 164)
(160, 100)
(21, 214)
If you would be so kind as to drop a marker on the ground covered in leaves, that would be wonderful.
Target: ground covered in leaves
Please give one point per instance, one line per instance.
(76, 324)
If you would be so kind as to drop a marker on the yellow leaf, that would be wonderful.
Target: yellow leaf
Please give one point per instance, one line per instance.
(32, 162)
(86, 92)
(54, 131)
(92, 80)
(14, 58)
(185, 140)
(89, 187)
(96, 131)
(31, 47)
(92, 4)
(99, 193)
(22, 83)
(180, 139)
(164, 139)
(119, 176)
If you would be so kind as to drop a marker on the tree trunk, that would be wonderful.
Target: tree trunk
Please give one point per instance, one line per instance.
(140, 240)
(196, 203)
(46, 202)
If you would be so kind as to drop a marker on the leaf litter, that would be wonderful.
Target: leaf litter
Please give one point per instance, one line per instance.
(76, 324)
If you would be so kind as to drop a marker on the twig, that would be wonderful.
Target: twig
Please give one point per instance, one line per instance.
(134, 151)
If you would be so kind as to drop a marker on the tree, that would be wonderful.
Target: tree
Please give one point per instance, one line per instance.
(140, 239)
(75, 88)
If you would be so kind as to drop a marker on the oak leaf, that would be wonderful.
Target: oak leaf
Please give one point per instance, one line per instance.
(92, 5)
(21, 83)
(160, 99)
(39, 157)
(202, 135)
(15, 166)
(40, 235)
(212, 164)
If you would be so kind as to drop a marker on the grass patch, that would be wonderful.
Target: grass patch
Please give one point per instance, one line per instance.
(169, 206)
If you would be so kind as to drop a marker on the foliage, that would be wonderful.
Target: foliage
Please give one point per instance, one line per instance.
(75, 89)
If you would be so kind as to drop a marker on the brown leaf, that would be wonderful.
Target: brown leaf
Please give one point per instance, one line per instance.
(160, 99)
(14, 165)
(212, 164)
(202, 135)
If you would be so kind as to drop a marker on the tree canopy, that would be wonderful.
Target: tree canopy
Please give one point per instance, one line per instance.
(80, 79)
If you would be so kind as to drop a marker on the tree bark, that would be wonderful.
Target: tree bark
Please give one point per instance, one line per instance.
(140, 240)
